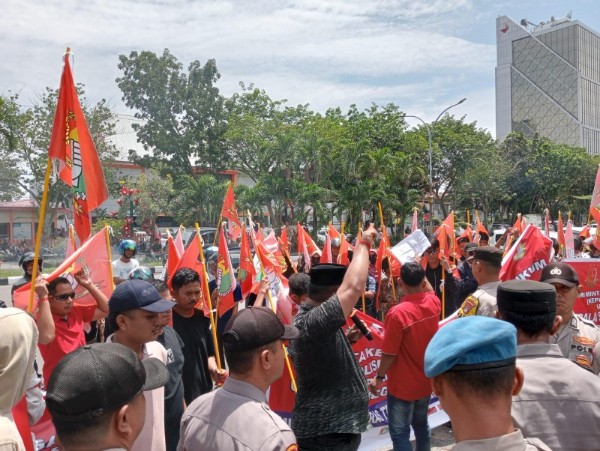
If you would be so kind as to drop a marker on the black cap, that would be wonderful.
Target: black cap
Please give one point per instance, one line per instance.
(462, 239)
(526, 296)
(560, 273)
(133, 294)
(100, 378)
(488, 254)
(327, 275)
(254, 327)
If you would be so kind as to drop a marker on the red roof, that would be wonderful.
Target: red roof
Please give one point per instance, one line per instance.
(26, 204)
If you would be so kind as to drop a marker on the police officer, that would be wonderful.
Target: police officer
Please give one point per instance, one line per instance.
(486, 262)
(559, 402)
(578, 338)
(471, 363)
(237, 416)
(467, 283)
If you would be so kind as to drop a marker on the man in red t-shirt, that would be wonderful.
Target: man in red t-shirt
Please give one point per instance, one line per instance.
(409, 326)
(69, 318)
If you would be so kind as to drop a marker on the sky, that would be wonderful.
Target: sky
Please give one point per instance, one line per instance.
(422, 55)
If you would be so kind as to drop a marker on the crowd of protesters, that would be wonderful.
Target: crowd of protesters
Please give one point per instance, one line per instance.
(515, 368)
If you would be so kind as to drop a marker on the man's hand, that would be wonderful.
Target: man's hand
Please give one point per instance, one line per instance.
(353, 334)
(41, 287)
(218, 375)
(375, 385)
(83, 278)
(370, 234)
(445, 264)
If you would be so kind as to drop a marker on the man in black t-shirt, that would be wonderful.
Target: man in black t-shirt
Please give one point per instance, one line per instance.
(174, 404)
(331, 409)
(200, 367)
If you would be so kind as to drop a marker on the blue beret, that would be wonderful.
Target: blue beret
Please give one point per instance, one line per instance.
(473, 342)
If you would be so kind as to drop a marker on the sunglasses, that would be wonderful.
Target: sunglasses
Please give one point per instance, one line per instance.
(431, 251)
(64, 297)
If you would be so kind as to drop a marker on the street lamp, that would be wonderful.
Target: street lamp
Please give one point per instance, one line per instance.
(429, 138)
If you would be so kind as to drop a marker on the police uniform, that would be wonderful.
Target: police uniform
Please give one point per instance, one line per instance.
(237, 416)
(478, 343)
(579, 341)
(234, 417)
(483, 301)
(559, 402)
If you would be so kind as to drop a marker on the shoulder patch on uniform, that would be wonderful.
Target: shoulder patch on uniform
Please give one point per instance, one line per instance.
(293, 447)
(583, 340)
(468, 307)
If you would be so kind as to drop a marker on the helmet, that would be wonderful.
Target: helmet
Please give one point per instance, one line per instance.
(141, 273)
(336, 242)
(28, 257)
(127, 245)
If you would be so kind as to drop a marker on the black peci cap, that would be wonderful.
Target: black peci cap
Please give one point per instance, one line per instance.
(98, 378)
(526, 296)
(327, 275)
(254, 327)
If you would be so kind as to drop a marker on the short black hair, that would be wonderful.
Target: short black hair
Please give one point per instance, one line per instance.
(183, 276)
(53, 284)
(74, 434)
(531, 324)
(412, 274)
(160, 285)
(482, 383)
(298, 283)
(578, 243)
(240, 362)
(320, 293)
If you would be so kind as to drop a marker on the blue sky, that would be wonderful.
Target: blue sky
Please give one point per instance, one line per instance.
(423, 55)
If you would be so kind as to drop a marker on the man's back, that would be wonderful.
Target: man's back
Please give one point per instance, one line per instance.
(559, 402)
(332, 392)
(235, 417)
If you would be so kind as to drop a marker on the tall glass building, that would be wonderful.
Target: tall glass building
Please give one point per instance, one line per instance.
(548, 81)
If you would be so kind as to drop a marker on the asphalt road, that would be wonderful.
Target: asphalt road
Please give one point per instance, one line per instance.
(5, 294)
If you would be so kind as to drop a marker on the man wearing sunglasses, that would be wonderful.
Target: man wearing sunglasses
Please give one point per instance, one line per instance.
(69, 318)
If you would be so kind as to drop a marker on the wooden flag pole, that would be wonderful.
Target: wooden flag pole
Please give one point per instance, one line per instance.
(112, 281)
(206, 293)
(38, 237)
(384, 233)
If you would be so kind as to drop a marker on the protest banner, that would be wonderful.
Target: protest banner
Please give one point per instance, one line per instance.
(588, 302)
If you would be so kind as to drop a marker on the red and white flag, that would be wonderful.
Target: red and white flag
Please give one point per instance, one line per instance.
(528, 256)
(415, 220)
(595, 203)
(326, 256)
(569, 240)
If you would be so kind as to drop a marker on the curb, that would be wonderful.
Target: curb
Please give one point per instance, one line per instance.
(10, 280)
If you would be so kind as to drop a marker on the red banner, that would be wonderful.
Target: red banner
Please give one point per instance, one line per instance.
(588, 303)
(528, 256)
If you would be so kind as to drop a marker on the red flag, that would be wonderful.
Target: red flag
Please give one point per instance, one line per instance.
(71, 245)
(415, 220)
(79, 166)
(226, 282)
(283, 240)
(229, 211)
(173, 255)
(528, 256)
(93, 258)
(332, 231)
(278, 284)
(381, 253)
(247, 271)
(446, 235)
(191, 259)
(518, 225)
(569, 240)
(561, 236)
(302, 247)
(344, 248)
(595, 204)
(585, 232)
(178, 241)
(326, 256)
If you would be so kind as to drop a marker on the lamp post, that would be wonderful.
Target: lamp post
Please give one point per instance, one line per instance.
(429, 138)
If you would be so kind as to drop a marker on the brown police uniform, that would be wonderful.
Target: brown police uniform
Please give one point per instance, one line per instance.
(559, 402)
(482, 302)
(508, 442)
(579, 341)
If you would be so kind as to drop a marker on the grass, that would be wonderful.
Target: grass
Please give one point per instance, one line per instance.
(19, 272)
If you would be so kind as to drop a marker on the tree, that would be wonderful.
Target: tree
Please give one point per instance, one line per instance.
(183, 112)
(12, 125)
(155, 196)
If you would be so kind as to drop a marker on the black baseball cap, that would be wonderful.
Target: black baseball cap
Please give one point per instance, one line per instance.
(254, 327)
(133, 294)
(560, 273)
(526, 296)
(99, 378)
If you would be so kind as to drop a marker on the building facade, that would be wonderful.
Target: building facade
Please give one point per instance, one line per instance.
(548, 81)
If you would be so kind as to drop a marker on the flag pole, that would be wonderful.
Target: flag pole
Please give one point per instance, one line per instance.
(38, 237)
(384, 234)
(285, 353)
(112, 281)
(206, 292)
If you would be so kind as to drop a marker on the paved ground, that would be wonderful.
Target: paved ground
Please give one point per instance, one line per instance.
(442, 439)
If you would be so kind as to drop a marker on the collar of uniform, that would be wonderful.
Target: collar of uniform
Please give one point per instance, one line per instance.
(539, 350)
(244, 389)
(487, 286)
(513, 441)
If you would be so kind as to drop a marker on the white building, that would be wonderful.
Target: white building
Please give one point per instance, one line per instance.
(548, 81)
